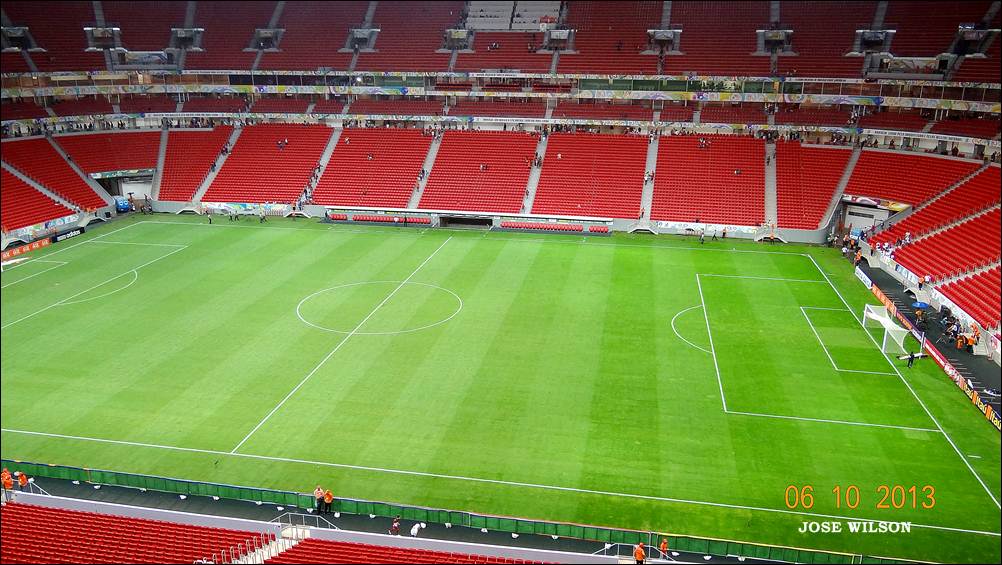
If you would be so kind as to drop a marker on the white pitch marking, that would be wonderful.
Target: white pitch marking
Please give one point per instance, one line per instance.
(135, 277)
(846, 422)
(338, 346)
(803, 310)
(488, 481)
(407, 331)
(680, 312)
(761, 278)
(908, 385)
(69, 298)
(713, 352)
(135, 243)
(56, 266)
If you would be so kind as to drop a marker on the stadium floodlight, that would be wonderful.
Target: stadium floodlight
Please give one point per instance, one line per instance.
(894, 335)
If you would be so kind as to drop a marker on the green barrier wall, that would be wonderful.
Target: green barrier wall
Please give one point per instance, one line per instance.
(456, 518)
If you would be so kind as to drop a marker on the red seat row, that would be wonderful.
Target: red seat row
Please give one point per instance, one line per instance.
(190, 154)
(21, 205)
(103, 152)
(978, 295)
(490, 108)
(322, 551)
(389, 219)
(37, 159)
(906, 178)
(806, 179)
(959, 249)
(546, 226)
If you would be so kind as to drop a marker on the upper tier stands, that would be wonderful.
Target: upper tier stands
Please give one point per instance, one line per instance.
(603, 111)
(512, 52)
(323, 551)
(979, 192)
(258, 171)
(351, 179)
(823, 33)
(987, 127)
(694, 183)
(410, 34)
(458, 183)
(978, 295)
(610, 37)
(676, 113)
(751, 114)
(36, 534)
(806, 179)
(37, 159)
(13, 62)
(894, 120)
(926, 30)
(190, 154)
(906, 178)
(21, 205)
(969, 245)
(83, 106)
(314, 34)
(213, 104)
(22, 110)
(147, 104)
(102, 152)
(227, 33)
(281, 105)
(403, 106)
(332, 106)
(145, 25)
(813, 117)
(527, 109)
(592, 175)
(709, 51)
(59, 32)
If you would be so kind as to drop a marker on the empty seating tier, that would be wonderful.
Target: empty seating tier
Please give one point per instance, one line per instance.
(978, 295)
(711, 51)
(603, 111)
(257, 170)
(21, 205)
(490, 108)
(483, 171)
(410, 34)
(315, 32)
(610, 37)
(333, 106)
(806, 179)
(145, 25)
(722, 183)
(387, 180)
(147, 104)
(82, 107)
(22, 110)
(37, 159)
(505, 51)
(814, 117)
(978, 193)
(213, 104)
(926, 30)
(103, 152)
(751, 114)
(543, 226)
(906, 178)
(954, 251)
(190, 154)
(893, 120)
(323, 551)
(36, 534)
(823, 33)
(59, 32)
(987, 127)
(227, 33)
(592, 175)
(281, 106)
(399, 107)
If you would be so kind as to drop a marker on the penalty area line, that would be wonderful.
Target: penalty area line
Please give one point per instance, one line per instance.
(489, 481)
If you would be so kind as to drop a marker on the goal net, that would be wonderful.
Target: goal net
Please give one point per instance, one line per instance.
(894, 335)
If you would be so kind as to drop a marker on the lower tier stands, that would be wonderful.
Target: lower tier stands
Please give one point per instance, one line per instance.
(906, 178)
(37, 159)
(21, 205)
(281, 106)
(978, 193)
(83, 106)
(526, 109)
(957, 250)
(36, 534)
(603, 111)
(402, 107)
(986, 128)
(592, 175)
(979, 295)
(189, 156)
(259, 170)
(386, 180)
(103, 152)
(722, 182)
(806, 179)
(484, 171)
(323, 551)
(214, 104)
(752, 114)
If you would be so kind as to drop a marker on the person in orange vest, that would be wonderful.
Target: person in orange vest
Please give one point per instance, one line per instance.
(664, 548)
(638, 553)
(328, 500)
(22, 481)
(8, 483)
(318, 494)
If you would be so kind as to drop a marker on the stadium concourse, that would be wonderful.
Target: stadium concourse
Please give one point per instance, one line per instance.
(554, 277)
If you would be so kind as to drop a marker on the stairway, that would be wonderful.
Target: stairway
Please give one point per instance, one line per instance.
(955, 223)
(325, 158)
(842, 183)
(534, 174)
(429, 162)
(159, 173)
(771, 213)
(647, 196)
(207, 181)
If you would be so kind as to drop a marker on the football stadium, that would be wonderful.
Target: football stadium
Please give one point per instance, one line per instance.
(501, 282)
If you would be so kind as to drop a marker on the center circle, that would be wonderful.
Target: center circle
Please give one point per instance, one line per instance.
(411, 307)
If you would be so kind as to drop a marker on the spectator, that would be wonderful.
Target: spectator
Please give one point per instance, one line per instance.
(318, 493)
(8, 482)
(395, 527)
(328, 500)
(638, 553)
(22, 481)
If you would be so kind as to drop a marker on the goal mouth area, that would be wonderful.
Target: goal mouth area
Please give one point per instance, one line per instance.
(894, 335)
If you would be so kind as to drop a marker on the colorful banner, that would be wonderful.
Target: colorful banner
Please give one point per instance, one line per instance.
(22, 249)
(43, 229)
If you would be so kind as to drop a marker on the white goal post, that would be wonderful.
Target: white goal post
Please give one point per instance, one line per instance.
(894, 335)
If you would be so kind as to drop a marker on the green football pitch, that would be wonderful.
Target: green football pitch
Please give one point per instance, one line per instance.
(631, 382)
